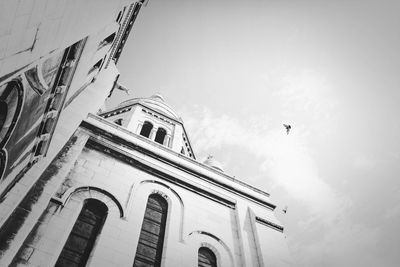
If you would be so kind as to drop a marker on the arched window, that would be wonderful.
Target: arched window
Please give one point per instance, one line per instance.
(160, 135)
(10, 106)
(81, 240)
(146, 129)
(207, 258)
(149, 249)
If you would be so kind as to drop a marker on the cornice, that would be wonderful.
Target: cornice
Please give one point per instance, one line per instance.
(120, 135)
(269, 224)
(128, 107)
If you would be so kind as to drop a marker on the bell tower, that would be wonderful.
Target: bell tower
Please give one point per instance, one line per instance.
(152, 118)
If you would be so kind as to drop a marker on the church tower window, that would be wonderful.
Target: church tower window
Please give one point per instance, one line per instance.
(81, 240)
(149, 249)
(146, 129)
(206, 258)
(160, 135)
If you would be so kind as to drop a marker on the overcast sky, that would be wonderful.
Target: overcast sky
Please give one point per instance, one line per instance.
(237, 70)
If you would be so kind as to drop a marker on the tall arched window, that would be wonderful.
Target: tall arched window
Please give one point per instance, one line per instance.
(160, 135)
(146, 129)
(149, 249)
(81, 240)
(207, 258)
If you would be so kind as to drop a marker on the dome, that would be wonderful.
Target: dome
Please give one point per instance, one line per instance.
(155, 102)
(210, 161)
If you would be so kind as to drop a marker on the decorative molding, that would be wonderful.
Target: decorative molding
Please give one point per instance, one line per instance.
(158, 192)
(116, 112)
(74, 190)
(98, 145)
(97, 132)
(269, 224)
(158, 116)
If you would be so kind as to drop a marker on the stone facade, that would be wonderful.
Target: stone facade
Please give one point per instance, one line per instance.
(110, 163)
(57, 64)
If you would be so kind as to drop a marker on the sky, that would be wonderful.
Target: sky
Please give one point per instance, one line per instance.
(235, 71)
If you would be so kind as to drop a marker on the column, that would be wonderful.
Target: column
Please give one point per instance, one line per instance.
(139, 128)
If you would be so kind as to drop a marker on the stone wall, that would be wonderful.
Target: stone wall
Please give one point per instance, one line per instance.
(202, 214)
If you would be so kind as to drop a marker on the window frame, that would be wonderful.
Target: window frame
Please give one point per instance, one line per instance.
(207, 253)
(145, 231)
(93, 206)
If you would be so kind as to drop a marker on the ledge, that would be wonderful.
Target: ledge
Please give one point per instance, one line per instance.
(119, 134)
(269, 224)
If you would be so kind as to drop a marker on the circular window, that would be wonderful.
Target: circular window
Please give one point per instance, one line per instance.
(10, 107)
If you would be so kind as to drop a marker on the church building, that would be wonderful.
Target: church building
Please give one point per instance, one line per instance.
(122, 187)
(127, 190)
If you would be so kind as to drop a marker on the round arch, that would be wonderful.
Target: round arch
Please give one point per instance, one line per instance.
(146, 129)
(160, 135)
(182, 206)
(11, 100)
(91, 192)
(221, 250)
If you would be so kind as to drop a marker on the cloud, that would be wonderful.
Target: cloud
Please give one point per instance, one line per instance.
(363, 162)
(344, 244)
(286, 159)
(325, 234)
(289, 164)
(393, 210)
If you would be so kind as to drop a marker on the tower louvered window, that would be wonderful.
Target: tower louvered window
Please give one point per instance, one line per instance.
(81, 240)
(149, 249)
(206, 258)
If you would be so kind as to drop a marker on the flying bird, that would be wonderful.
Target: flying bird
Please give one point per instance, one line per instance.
(288, 127)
